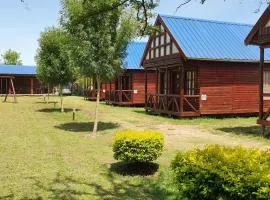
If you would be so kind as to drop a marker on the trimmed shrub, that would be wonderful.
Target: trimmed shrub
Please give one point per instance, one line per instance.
(218, 172)
(138, 146)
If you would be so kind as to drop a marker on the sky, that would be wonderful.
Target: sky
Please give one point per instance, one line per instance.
(21, 24)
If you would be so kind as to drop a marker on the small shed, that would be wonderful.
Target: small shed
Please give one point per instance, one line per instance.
(260, 36)
(203, 68)
(129, 87)
(25, 81)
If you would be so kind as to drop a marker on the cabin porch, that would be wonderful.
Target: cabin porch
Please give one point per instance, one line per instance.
(177, 92)
(122, 93)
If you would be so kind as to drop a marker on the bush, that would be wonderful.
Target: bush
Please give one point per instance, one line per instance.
(218, 172)
(138, 146)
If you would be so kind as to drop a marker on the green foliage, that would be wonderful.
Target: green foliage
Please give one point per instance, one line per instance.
(52, 58)
(138, 146)
(11, 57)
(99, 39)
(218, 172)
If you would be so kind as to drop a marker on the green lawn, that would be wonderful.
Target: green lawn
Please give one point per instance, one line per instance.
(46, 155)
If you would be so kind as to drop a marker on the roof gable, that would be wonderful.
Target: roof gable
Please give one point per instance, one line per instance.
(134, 55)
(18, 70)
(264, 21)
(161, 43)
(211, 40)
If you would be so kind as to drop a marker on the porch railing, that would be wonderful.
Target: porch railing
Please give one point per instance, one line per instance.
(90, 93)
(171, 104)
(121, 96)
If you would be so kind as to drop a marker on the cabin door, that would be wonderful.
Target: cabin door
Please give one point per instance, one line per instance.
(163, 83)
(175, 83)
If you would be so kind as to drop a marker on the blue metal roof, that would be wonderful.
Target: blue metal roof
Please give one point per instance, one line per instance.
(18, 70)
(134, 56)
(212, 40)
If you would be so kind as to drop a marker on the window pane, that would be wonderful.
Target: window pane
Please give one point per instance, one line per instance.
(266, 80)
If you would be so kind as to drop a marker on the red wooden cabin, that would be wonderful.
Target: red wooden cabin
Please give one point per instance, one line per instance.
(129, 88)
(25, 81)
(260, 36)
(91, 91)
(202, 67)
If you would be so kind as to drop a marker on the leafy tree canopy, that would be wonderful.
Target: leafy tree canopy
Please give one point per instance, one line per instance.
(11, 57)
(54, 67)
(99, 39)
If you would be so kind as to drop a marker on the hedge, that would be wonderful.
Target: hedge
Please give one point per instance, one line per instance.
(138, 146)
(218, 172)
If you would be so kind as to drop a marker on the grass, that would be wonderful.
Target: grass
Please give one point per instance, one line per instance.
(46, 155)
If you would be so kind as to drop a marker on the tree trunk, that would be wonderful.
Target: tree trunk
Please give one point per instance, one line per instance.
(61, 98)
(96, 111)
(48, 98)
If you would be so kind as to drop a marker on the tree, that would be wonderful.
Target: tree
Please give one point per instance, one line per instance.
(99, 39)
(12, 57)
(54, 67)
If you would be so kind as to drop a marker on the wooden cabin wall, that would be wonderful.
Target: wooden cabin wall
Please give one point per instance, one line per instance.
(138, 84)
(231, 88)
(24, 84)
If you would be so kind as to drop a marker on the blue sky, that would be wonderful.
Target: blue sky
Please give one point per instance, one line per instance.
(20, 25)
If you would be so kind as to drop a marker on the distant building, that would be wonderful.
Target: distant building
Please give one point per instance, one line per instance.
(129, 87)
(25, 81)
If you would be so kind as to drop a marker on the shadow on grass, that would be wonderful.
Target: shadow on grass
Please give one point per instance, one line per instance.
(55, 110)
(134, 169)
(255, 131)
(112, 187)
(86, 126)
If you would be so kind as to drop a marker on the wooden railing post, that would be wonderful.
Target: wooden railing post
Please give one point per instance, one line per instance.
(182, 90)
(145, 86)
(261, 103)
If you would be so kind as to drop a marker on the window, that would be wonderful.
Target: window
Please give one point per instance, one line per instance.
(266, 82)
(190, 83)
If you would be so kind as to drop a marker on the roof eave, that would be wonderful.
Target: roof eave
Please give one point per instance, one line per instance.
(226, 60)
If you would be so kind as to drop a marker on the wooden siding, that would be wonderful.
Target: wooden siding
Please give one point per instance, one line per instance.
(231, 88)
(24, 84)
(139, 85)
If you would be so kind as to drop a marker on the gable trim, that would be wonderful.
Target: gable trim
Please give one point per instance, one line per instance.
(159, 19)
(263, 20)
